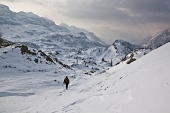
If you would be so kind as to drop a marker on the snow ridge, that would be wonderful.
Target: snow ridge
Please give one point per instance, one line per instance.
(123, 47)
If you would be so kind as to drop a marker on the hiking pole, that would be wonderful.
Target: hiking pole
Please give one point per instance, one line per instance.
(63, 87)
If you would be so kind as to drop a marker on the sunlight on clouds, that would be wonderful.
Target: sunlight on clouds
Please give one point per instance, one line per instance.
(127, 11)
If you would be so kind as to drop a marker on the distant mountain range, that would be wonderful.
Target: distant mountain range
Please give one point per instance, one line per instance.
(71, 46)
(91, 36)
(28, 27)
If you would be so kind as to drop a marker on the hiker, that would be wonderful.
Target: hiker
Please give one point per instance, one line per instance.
(66, 81)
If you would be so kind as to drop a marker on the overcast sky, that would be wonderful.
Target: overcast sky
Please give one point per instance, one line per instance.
(130, 20)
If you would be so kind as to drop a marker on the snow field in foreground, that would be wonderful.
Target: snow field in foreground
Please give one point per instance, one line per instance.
(140, 87)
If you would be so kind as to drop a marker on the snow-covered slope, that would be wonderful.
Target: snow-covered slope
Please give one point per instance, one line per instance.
(91, 36)
(117, 51)
(157, 40)
(21, 59)
(140, 87)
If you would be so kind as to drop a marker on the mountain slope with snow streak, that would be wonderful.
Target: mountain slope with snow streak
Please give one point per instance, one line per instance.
(157, 40)
(91, 36)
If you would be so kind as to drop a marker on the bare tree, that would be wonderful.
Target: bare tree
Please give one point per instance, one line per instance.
(77, 61)
(111, 64)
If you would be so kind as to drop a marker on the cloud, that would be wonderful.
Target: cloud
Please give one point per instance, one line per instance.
(150, 10)
(129, 11)
(132, 16)
(145, 6)
(109, 19)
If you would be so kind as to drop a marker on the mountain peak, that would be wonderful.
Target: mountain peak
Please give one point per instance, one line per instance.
(4, 7)
(123, 47)
(120, 41)
(4, 10)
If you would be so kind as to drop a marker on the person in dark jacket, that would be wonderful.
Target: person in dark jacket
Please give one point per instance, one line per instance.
(66, 81)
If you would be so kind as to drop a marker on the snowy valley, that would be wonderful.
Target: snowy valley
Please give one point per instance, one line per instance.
(36, 55)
